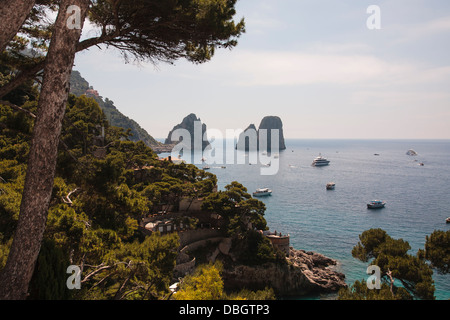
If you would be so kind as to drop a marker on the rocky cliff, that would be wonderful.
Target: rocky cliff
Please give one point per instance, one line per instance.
(193, 125)
(80, 86)
(248, 140)
(305, 273)
(250, 134)
(269, 123)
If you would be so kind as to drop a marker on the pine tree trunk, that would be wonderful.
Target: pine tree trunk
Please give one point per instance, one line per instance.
(13, 14)
(17, 273)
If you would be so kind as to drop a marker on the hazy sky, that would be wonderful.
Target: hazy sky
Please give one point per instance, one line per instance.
(313, 63)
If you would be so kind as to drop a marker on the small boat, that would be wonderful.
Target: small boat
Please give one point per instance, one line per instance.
(376, 204)
(320, 161)
(447, 220)
(411, 152)
(262, 192)
(330, 185)
(206, 167)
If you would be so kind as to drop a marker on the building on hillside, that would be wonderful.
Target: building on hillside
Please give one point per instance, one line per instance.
(92, 92)
(278, 240)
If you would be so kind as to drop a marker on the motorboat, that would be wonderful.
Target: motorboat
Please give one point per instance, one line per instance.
(262, 192)
(411, 152)
(206, 167)
(330, 185)
(376, 204)
(320, 161)
(447, 220)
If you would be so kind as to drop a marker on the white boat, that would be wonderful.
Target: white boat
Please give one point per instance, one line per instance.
(206, 167)
(376, 204)
(262, 192)
(447, 220)
(320, 161)
(330, 185)
(411, 152)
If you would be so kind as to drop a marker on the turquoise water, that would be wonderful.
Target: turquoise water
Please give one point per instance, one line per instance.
(329, 222)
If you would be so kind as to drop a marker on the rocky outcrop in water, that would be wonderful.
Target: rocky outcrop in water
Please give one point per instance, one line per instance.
(269, 123)
(194, 126)
(252, 135)
(248, 140)
(305, 273)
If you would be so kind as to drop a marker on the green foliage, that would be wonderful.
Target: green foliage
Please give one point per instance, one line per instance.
(136, 270)
(391, 255)
(97, 200)
(245, 294)
(96, 206)
(169, 30)
(256, 249)
(49, 278)
(204, 284)
(79, 86)
(238, 209)
(437, 250)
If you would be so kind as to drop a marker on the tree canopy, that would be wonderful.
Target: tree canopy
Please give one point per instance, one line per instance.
(44, 50)
(96, 205)
(403, 276)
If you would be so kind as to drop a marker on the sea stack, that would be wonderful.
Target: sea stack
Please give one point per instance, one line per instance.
(267, 123)
(248, 140)
(196, 129)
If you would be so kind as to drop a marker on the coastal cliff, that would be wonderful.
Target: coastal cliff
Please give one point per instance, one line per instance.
(305, 273)
(80, 86)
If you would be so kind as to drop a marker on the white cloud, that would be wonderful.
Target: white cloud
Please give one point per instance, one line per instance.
(416, 32)
(292, 68)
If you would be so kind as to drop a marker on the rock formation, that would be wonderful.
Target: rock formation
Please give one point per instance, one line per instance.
(194, 126)
(305, 273)
(267, 123)
(248, 140)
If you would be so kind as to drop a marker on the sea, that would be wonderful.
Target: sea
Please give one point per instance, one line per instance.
(330, 221)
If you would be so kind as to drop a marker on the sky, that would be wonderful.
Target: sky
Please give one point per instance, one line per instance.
(317, 64)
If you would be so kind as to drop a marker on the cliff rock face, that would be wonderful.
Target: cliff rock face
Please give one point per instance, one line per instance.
(79, 86)
(194, 126)
(305, 273)
(248, 137)
(268, 123)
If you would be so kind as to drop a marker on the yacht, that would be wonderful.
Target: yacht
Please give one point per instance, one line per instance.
(330, 185)
(376, 204)
(320, 161)
(262, 192)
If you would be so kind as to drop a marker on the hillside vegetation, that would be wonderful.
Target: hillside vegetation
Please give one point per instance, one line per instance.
(98, 202)
(79, 86)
